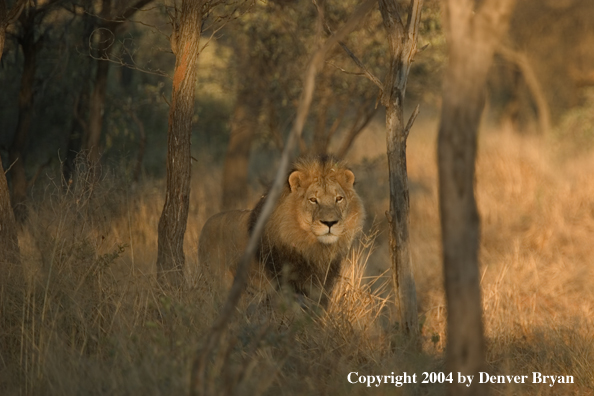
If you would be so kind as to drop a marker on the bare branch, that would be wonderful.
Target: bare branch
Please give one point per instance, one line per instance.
(361, 66)
(106, 54)
(345, 71)
(10, 166)
(131, 10)
(366, 72)
(412, 25)
(411, 121)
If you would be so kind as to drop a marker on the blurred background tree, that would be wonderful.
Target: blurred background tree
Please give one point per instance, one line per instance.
(248, 85)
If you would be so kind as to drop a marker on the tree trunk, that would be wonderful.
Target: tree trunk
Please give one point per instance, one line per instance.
(78, 130)
(7, 17)
(472, 37)
(320, 141)
(9, 244)
(402, 50)
(106, 32)
(16, 152)
(250, 98)
(3, 25)
(534, 87)
(243, 130)
(172, 224)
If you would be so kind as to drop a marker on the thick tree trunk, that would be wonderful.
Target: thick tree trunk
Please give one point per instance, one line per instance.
(172, 224)
(243, 130)
(16, 152)
(472, 38)
(403, 43)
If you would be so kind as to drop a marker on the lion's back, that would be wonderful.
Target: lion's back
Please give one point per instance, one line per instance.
(223, 239)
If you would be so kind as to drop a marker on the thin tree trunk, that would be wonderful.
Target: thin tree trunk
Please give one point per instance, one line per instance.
(79, 129)
(3, 25)
(11, 271)
(472, 37)
(16, 152)
(172, 224)
(403, 46)
(527, 71)
(9, 244)
(141, 146)
(244, 124)
(106, 32)
(319, 144)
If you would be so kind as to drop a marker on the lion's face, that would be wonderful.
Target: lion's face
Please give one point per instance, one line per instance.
(323, 203)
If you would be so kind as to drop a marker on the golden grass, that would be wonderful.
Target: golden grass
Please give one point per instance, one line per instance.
(90, 319)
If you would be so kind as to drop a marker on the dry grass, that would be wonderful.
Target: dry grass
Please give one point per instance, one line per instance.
(90, 319)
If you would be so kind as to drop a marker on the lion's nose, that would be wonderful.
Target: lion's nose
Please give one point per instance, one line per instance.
(328, 223)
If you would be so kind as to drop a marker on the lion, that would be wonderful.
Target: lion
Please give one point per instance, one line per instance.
(305, 240)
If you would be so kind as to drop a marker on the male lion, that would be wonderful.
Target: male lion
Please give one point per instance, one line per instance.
(305, 240)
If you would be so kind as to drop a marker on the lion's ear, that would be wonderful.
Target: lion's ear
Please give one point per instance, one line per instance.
(295, 180)
(349, 177)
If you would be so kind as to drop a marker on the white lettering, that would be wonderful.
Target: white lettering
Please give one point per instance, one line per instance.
(349, 377)
(483, 377)
(465, 378)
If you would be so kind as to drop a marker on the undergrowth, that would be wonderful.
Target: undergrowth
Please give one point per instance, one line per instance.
(87, 317)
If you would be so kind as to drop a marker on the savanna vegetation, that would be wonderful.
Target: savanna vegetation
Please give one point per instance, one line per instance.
(87, 90)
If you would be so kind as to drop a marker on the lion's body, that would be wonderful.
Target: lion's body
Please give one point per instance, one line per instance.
(305, 240)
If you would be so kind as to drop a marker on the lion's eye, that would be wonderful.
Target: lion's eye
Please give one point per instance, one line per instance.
(339, 198)
(313, 200)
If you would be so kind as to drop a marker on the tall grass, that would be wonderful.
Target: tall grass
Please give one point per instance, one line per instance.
(89, 318)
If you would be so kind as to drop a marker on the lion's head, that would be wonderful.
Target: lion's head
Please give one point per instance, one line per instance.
(325, 199)
(319, 213)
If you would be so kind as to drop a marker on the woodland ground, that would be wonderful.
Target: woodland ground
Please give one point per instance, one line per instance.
(90, 319)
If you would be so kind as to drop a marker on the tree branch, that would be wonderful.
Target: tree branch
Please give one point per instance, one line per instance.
(411, 121)
(131, 10)
(366, 72)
